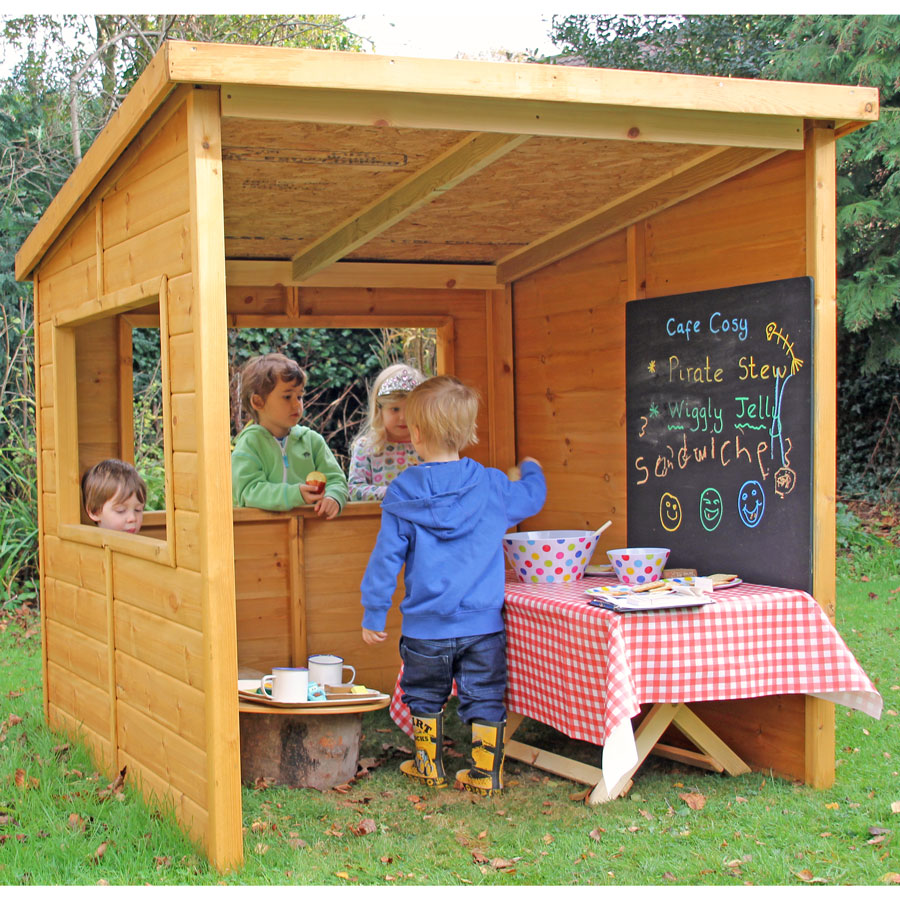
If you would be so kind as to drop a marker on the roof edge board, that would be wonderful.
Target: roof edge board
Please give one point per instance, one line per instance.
(245, 64)
(150, 90)
(506, 116)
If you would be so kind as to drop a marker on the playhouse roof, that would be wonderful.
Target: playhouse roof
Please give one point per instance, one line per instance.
(345, 156)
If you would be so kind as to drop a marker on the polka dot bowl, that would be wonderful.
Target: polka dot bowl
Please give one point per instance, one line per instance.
(638, 565)
(549, 557)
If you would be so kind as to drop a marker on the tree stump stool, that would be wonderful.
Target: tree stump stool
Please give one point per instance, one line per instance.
(296, 747)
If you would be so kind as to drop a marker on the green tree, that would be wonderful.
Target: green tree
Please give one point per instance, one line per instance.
(860, 50)
(728, 45)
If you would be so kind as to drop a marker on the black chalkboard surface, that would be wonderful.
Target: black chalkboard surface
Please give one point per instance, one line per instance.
(719, 419)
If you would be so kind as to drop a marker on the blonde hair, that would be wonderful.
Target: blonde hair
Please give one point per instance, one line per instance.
(108, 479)
(374, 427)
(260, 374)
(444, 410)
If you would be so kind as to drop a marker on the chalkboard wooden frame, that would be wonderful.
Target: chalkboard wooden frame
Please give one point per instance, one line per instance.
(719, 418)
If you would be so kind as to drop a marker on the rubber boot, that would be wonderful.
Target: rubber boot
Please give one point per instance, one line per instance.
(486, 775)
(427, 766)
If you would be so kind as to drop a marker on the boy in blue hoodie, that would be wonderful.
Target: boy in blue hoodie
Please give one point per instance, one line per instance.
(444, 520)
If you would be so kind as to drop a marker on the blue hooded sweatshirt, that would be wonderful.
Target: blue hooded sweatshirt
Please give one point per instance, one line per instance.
(445, 521)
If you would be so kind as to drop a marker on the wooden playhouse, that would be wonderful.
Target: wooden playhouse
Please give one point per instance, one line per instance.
(516, 209)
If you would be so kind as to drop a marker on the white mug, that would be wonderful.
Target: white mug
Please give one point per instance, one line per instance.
(326, 668)
(288, 685)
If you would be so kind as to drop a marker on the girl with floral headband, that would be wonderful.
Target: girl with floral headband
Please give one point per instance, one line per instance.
(382, 450)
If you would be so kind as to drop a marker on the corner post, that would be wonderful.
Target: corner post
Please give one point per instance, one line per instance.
(821, 265)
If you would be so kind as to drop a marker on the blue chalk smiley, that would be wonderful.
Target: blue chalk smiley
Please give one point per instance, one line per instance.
(751, 503)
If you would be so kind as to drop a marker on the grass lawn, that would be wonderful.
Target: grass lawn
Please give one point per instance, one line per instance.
(61, 822)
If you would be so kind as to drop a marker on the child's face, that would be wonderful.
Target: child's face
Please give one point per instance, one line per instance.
(120, 514)
(393, 415)
(282, 408)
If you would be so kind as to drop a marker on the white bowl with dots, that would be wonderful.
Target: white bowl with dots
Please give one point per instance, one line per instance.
(549, 557)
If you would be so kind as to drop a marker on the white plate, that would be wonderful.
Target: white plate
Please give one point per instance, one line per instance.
(689, 579)
(599, 569)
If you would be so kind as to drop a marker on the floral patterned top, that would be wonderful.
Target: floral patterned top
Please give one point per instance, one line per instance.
(371, 473)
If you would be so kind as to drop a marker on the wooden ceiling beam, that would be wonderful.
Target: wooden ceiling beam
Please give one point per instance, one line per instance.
(447, 170)
(706, 169)
(511, 116)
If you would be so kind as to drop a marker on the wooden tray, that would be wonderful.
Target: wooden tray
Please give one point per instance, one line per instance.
(336, 697)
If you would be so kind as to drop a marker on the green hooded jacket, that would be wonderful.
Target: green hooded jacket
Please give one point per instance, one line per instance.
(263, 478)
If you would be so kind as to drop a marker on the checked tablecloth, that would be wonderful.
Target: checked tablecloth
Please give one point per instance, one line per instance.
(585, 671)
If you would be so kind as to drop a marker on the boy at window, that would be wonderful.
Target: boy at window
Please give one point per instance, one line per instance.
(114, 495)
(273, 455)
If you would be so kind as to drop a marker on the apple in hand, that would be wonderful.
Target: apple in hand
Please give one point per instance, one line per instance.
(316, 482)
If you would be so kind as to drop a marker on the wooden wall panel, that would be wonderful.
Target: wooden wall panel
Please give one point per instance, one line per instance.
(77, 653)
(75, 564)
(77, 608)
(160, 643)
(84, 701)
(187, 551)
(262, 593)
(165, 249)
(158, 792)
(143, 203)
(569, 331)
(68, 288)
(185, 485)
(181, 303)
(98, 745)
(184, 423)
(334, 569)
(171, 703)
(77, 245)
(172, 758)
(171, 593)
(746, 230)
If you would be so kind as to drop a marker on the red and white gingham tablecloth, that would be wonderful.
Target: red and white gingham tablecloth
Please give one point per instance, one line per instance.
(585, 671)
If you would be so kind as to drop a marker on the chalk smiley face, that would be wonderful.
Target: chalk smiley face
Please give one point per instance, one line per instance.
(669, 511)
(711, 509)
(751, 503)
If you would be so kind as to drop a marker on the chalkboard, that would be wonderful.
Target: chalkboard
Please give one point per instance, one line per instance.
(719, 420)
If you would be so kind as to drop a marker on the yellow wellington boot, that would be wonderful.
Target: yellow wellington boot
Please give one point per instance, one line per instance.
(486, 775)
(427, 766)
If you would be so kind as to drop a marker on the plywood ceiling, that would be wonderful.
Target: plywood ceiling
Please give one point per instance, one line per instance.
(287, 184)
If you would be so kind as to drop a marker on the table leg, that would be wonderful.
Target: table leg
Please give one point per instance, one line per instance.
(719, 753)
(648, 733)
(583, 773)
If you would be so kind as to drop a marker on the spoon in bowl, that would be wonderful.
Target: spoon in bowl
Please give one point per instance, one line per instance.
(601, 529)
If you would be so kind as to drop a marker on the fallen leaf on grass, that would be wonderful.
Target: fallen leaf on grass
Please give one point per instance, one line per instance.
(363, 827)
(694, 800)
(668, 876)
(114, 788)
(895, 806)
(13, 720)
(890, 878)
(548, 839)
(19, 778)
(478, 857)
(597, 834)
(162, 862)
(832, 806)
(98, 853)
(77, 823)
(296, 843)
(806, 876)
(498, 862)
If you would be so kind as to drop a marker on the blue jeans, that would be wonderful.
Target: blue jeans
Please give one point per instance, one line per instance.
(477, 664)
